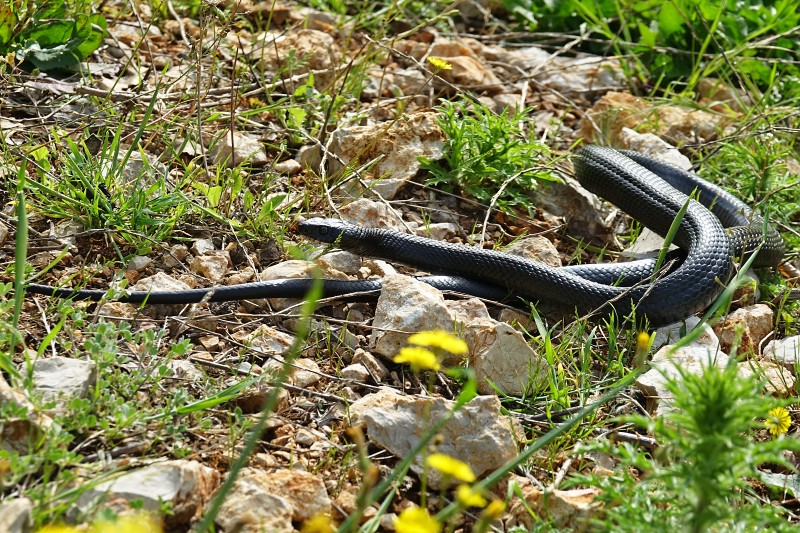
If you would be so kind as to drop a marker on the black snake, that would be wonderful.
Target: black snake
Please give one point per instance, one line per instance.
(650, 191)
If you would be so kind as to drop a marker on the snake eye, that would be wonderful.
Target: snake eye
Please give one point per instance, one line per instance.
(323, 230)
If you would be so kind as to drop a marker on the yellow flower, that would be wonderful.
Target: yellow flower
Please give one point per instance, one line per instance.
(416, 520)
(439, 63)
(440, 339)
(778, 421)
(494, 510)
(418, 358)
(138, 523)
(450, 466)
(469, 497)
(319, 523)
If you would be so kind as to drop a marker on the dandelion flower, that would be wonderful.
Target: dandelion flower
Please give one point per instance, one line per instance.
(418, 358)
(778, 421)
(440, 339)
(416, 520)
(450, 466)
(439, 63)
(494, 510)
(469, 497)
(318, 523)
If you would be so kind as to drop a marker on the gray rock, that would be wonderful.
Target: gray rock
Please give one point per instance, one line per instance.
(784, 352)
(406, 306)
(502, 358)
(185, 485)
(692, 358)
(261, 501)
(240, 148)
(16, 516)
(62, 377)
(355, 372)
(476, 434)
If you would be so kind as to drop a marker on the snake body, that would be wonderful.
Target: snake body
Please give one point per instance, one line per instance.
(627, 179)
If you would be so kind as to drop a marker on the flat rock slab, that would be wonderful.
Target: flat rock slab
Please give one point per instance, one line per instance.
(63, 377)
(476, 434)
(184, 485)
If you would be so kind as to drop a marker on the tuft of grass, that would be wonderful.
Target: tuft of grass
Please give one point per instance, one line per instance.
(488, 156)
(681, 41)
(711, 443)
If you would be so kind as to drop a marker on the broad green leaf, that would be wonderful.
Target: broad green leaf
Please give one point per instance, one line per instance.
(7, 22)
(787, 482)
(669, 19)
(92, 31)
(52, 9)
(214, 194)
(50, 34)
(55, 57)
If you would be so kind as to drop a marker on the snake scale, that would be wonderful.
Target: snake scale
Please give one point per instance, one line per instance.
(715, 229)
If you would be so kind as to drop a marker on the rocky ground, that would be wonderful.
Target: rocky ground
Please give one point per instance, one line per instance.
(250, 119)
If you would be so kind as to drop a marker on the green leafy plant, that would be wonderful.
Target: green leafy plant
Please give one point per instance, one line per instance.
(702, 37)
(710, 447)
(51, 35)
(487, 155)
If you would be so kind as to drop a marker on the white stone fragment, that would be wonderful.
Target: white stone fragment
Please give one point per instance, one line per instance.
(16, 516)
(63, 377)
(784, 352)
(160, 282)
(346, 262)
(232, 150)
(406, 306)
(184, 485)
(370, 362)
(372, 214)
(185, 369)
(502, 358)
(746, 328)
(265, 340)
(355, 372)
(212, 266)
(476, 434)
(654, 146)
(306, 372)
(536, 248)
(139, 263)
(692, 358)
(672, 333)
(396, 149)
(261, 501)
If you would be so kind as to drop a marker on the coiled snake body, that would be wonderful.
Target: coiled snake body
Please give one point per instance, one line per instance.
(648, 190)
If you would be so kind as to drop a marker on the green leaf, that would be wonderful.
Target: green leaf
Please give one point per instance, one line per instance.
(49, 34)
(55, 9)
(60, 56)
(782, 482)
(7, 22)
(669, 19)
(92, 31)
(214, 194)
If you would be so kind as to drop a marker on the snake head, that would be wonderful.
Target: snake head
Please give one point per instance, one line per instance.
(324, 229)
